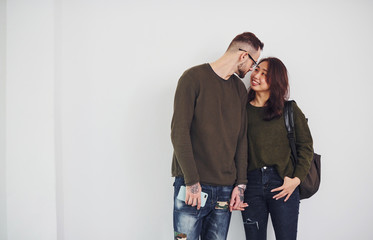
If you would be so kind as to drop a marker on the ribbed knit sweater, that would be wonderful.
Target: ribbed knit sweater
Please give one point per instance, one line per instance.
(208, 129)
(269, 145)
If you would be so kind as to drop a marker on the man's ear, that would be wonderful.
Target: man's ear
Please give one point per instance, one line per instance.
(243, 57)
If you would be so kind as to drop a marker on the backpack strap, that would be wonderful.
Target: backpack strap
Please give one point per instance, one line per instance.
(289, 124)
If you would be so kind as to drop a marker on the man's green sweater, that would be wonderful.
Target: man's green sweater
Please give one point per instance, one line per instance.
(208, 129)
(269, 145)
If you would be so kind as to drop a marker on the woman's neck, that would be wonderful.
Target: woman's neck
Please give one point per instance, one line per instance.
(260, 99)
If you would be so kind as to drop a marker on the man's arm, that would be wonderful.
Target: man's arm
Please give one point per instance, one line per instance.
(241, 156)
(237, 197)
(185, 98)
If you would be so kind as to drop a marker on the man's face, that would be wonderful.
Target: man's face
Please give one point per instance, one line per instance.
(248, 64)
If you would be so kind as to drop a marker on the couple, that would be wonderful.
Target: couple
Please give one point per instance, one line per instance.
(232, 145)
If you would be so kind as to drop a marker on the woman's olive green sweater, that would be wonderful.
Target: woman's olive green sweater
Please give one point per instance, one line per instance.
(269, 145)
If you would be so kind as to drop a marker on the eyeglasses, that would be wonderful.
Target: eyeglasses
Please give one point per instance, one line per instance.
(248, 54)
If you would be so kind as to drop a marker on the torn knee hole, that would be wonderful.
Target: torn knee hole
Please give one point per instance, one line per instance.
(180, 236)
(221, 205)
(251, 222)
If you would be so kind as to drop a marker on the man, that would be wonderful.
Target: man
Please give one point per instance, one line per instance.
(208, 132)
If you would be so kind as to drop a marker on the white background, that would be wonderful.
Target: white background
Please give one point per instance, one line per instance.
(86, 100)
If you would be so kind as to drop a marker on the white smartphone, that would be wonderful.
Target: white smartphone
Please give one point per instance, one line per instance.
(182, 194)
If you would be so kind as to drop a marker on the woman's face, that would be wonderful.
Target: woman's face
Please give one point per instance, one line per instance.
(258, 79)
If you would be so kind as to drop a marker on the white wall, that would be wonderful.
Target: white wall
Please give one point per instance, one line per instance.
(30, 162)
(2, 121)
(89, 99)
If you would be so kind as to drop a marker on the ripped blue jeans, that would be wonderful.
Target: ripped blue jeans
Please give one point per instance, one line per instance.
(258, 195)
(211, 222)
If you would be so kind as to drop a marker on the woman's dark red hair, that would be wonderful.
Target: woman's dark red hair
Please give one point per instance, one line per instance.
(277, 79)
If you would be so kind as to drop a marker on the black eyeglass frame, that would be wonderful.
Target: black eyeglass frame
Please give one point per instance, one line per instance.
(248, 54)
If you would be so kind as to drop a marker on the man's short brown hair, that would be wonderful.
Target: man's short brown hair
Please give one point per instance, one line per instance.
(247, 38)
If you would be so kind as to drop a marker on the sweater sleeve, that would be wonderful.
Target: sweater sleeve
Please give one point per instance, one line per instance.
(303, 142)
(185, 98)
(241, 151)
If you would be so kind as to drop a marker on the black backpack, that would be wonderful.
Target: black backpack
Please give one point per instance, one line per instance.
(311, 183)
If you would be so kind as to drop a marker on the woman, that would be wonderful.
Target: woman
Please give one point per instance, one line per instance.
(272, 180)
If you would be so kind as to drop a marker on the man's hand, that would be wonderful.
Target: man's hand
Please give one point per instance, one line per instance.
(193, 195)
(287, 188)
(237, 199)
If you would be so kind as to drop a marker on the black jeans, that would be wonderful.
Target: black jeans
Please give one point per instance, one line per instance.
(284, 215)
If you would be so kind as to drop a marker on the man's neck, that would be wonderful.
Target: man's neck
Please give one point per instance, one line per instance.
(225, 66)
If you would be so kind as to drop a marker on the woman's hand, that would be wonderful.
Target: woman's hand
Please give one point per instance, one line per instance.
(241, 207)
(287, 188)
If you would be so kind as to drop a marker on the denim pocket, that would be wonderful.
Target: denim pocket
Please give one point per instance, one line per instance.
(275, 180)
(181, 206)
